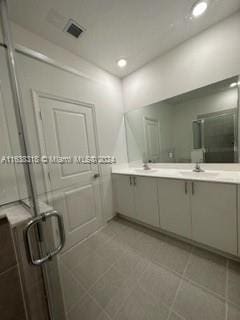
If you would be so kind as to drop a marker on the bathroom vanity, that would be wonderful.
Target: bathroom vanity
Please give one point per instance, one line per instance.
(200, 126)
(199, 207)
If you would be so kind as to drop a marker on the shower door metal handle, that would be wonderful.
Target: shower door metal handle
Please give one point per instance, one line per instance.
(27, 238)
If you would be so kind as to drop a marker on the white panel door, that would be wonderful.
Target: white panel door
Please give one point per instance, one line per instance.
(174, 206)
(68, 131)
(146, 199)
(152, 139)
(214, 215)
(124, 195)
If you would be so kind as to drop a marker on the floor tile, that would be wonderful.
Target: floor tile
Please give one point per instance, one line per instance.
(234, 282)
(173, 254)
(142, 306)
(75, 255)
(110, 232)
(97, 240)
(111, 251)
(87, 310)
(128, 237)
(90, 270)
(103, 316)
(72, 290)
(111, 290)
(233, 313)
(119, 298)
(132, 265)
(114, 227)
(106, 287)
(161, 283)
(132, 274)
(209, 270)
(193, 303)
(147, 245)
(174, 316)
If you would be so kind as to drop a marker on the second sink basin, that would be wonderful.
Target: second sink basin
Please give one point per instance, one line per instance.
(204, 174)
(141, 170)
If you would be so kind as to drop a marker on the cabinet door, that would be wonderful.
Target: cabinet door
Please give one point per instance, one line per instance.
(214, 215)
(174, 206)
(146, 200)
(124, 195)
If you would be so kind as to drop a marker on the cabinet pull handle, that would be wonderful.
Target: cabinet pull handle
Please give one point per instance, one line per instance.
(193, 189)
(134, 179)
(37, 221)
(130, 181)
(186, 187)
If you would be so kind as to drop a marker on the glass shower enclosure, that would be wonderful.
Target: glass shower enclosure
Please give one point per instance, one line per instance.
(216, 135)
(50, 118)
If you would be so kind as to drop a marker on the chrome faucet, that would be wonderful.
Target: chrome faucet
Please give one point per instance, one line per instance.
(146, 166)
(198, 168)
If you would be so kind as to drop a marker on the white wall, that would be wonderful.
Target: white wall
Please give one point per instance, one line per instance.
(95, 86)
(112, 85)
(209, 57)
(30, 40)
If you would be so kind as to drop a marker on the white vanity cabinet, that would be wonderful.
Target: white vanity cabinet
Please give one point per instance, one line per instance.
(205, 212)
(146, 200)
(214, 215)
(136, 197)
(124, 195)
(174, 206)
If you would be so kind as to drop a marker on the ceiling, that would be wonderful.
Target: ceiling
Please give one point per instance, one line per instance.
(138, 30)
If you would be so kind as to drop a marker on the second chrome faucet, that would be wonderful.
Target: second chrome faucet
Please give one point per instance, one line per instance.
(198, 168)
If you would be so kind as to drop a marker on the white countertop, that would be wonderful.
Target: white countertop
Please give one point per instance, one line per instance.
(220, 176)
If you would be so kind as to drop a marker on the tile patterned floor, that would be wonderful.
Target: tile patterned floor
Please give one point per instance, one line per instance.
(126, 272)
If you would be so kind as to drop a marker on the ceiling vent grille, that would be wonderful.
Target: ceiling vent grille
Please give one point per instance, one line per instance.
(74, 29)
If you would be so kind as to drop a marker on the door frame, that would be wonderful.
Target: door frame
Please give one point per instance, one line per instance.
(36, 95)
(146, 118)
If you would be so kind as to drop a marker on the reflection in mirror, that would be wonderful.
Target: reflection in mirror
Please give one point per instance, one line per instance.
(199, 126)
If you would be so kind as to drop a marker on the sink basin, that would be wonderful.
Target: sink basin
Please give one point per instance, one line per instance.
(205, 174)
(141, 170)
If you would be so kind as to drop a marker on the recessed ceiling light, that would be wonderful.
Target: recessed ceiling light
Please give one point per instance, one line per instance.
(199, 8)
(122, 63)
(234, 84)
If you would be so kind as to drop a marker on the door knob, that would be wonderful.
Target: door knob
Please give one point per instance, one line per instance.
(96, 175)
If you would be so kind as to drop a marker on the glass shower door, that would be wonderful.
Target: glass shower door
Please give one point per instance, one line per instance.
(61, 126)
(220, 138)
(16, 192)
(57, 104)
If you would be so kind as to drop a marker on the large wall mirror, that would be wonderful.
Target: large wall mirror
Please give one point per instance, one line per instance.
(198, 126)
